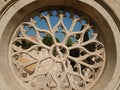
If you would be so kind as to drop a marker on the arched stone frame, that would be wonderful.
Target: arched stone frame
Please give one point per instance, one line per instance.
(11, 21)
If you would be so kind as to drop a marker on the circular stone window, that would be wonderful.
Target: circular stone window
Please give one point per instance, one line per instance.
(57, 49)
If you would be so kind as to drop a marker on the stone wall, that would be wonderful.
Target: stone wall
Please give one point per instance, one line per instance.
(112, 6)
(115, 5)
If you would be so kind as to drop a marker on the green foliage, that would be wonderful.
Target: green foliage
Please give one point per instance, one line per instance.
(57, 39)
(47, 40)
(77, 36)
(26, 44)
(69, 42)
(86, 37)
(90, 47)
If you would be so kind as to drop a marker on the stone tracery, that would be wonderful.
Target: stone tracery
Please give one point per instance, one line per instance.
(74, 62)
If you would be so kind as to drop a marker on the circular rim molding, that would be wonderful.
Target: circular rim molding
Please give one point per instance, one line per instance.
(108, 27)
(80, 62)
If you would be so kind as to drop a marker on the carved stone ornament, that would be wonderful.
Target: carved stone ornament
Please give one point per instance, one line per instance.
(57, 49)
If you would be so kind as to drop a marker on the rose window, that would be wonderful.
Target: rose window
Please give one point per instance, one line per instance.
(57, 49)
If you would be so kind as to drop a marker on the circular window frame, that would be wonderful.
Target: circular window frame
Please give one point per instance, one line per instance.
(10, 19)
(58, 8)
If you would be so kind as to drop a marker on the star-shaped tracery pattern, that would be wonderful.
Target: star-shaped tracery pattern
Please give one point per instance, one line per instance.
(57, 49)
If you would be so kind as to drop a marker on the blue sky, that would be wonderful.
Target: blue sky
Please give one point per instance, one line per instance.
(41, 23)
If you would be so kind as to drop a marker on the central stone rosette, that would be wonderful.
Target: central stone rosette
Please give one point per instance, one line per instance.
(59, 52)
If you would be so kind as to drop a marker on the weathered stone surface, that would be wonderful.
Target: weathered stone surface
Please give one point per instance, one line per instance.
(11, 15)
(115, 5)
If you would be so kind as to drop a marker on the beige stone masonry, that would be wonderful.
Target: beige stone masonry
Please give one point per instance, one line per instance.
(22, 69)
